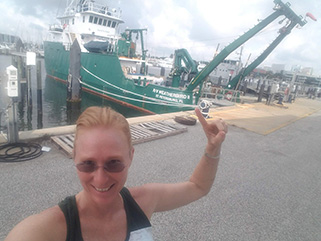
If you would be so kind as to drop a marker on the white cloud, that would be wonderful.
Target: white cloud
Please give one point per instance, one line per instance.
(197, 25)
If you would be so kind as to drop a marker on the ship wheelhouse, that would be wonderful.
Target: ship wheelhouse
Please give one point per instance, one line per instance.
(87, 21)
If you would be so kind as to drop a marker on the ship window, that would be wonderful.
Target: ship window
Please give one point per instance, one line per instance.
(73, 21)
(84, 19)
(100, 21)
(91, 19)
(105, 22)
(114, 25)
(95, 20)
(109, 23)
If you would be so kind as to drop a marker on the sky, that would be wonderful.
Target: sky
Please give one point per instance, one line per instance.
(200, 26)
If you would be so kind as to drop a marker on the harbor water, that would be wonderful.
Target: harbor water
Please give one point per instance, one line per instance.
(49, 106)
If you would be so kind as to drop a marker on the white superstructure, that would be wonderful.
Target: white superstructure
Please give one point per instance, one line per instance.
(87, 21)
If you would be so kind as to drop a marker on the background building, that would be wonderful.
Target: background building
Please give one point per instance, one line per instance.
(307, 71)
(278, 68)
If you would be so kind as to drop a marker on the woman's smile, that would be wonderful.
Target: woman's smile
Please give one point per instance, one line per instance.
(106, 189)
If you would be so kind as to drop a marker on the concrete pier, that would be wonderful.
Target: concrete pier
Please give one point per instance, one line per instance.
(257, 117)
(267, 186)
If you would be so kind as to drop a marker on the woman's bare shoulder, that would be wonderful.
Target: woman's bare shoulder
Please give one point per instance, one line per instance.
(47, 225)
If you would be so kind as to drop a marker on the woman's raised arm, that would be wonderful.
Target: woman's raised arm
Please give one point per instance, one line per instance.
(156, 197)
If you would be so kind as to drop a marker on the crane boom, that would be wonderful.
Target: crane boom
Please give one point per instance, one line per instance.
(280, 9)
(283, 33)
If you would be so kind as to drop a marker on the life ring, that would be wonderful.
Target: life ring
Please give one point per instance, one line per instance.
(185, 120)
(228, 95)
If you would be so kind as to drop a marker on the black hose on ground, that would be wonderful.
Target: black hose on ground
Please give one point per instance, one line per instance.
(19, 152)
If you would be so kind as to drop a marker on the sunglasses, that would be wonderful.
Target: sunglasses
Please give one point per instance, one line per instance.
(110, 166)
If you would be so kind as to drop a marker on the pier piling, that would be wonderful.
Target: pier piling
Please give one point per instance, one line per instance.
(13, 136)
(30, 61)
(73, 83)
(39, 96)
(29, 91)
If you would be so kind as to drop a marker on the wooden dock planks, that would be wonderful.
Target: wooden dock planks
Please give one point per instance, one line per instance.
(141, 133)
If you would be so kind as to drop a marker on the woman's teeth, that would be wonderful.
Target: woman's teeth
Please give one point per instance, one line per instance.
(102, 189)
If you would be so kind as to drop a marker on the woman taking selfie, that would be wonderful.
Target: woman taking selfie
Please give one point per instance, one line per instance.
(105, 209)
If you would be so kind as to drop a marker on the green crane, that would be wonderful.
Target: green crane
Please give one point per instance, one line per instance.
(279, 10)
(283, 32)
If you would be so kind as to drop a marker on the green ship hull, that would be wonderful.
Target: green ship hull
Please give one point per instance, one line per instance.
(102, 75)
(101, 71)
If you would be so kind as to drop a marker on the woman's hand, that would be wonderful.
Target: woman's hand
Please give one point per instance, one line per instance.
(215, 131)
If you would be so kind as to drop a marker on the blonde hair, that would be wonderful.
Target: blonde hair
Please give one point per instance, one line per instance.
(103, 116)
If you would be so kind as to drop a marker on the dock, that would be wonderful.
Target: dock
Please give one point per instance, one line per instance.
(267, 186)
(256, 117)
(141, 132)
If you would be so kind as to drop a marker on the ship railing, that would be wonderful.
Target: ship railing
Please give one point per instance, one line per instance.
(55, 27)
(93, 7)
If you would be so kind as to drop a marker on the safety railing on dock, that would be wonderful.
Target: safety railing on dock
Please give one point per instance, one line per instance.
(220, 93)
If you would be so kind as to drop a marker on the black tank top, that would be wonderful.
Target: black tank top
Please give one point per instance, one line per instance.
(138, 225)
